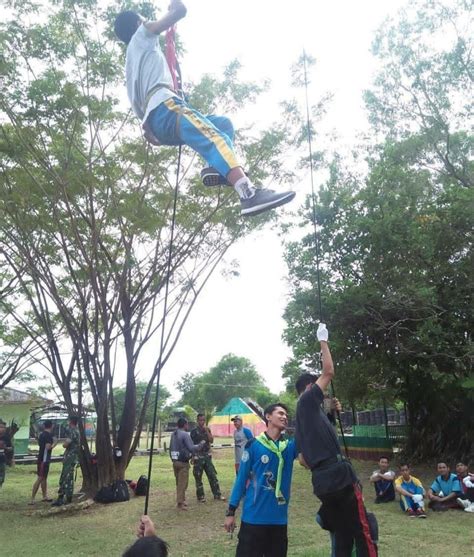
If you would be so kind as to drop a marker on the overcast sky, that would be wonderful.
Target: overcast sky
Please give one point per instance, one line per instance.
(244, 315)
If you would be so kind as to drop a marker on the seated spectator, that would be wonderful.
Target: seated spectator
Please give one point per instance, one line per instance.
(148, 544)
(466, 481)
(411, 493)
(383, 479)
(444, 490)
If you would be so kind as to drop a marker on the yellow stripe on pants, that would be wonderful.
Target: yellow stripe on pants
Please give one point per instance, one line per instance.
(214, 137)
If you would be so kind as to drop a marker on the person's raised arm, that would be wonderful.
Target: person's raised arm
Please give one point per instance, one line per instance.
(176, 11)
(327, 374)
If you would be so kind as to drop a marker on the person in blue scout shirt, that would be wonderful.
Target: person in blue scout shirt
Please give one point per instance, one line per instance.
(264, 480)
(444, 490)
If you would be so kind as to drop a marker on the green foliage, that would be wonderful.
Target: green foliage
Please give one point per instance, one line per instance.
(232, 376)
(141, 387)
(85, 212)
(397, 246)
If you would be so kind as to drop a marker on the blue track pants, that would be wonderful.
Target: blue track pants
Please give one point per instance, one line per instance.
(174, 122)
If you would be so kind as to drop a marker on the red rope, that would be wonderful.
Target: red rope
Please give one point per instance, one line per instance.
(171, 58)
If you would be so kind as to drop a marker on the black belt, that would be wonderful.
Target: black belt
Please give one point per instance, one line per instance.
(328, 461)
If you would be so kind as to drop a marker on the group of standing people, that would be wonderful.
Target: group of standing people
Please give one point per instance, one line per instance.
(264, 477)
(195, 449)
(46, 443)
(264, 467)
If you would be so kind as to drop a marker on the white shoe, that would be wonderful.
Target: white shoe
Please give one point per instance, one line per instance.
(470, 509)
(464, 503)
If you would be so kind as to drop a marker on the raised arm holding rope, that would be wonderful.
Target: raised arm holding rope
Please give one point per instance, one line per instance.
(169, 120)
(334, 480)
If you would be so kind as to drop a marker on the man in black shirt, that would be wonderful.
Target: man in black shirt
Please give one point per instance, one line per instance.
(334, 480)
(46, 444)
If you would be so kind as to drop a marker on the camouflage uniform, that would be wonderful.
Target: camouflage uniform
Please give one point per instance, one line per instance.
(70, 459)
(203, 463)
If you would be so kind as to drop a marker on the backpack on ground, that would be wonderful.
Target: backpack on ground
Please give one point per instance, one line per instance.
(117, 492)
(142, 485)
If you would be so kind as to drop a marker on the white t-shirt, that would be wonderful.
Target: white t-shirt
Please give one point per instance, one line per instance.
(390, 474)
(145, 68)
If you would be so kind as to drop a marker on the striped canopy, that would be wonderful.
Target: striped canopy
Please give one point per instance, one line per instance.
(222, 426)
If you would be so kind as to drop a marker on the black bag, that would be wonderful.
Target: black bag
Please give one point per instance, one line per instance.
(115, 493)
(142, 485)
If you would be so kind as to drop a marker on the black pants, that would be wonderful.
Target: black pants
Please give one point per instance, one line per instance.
(386, 497)
(469, 495)
(343, 513)
(261, 540)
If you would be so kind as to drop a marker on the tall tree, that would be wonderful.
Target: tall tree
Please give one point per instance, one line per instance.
(85, 209)
(232, 376)
(397, 245)
(119, 394)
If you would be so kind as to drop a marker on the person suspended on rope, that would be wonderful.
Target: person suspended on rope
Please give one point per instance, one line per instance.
(334, 480)
(169, 120)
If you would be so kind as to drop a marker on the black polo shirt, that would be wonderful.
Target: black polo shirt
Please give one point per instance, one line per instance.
(315, 434)
(318, 442)
(44, 439)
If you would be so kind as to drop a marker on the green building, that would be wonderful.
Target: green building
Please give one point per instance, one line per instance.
(15, 410)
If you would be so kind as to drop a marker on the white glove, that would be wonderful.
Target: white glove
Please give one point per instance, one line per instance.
(468, 482)
(322, 332)
(418, 498)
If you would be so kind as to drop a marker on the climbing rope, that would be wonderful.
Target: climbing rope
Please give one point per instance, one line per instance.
(176, 74)
(317, 247)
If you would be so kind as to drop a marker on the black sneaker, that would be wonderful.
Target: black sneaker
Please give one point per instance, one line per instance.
(58, 503)
(210, 177)
(264, 200)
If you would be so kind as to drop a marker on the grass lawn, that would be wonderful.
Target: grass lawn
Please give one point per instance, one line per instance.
(107, 530)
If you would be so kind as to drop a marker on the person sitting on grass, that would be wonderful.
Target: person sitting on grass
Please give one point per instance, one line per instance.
(169, 120)
(411, 493)
(383, 479)
(148, 543)
(466, 481)
(444, 490)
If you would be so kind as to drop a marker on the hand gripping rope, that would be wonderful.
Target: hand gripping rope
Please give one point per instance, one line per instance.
(176, 74)
(316, 234)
